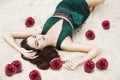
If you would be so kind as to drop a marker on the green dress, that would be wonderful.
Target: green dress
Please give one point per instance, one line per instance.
(76, 10)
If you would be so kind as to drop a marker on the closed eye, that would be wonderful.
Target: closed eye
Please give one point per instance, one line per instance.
(34, 36)
(36, 43)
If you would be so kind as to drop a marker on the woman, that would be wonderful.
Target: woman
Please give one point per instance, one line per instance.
(57, 32)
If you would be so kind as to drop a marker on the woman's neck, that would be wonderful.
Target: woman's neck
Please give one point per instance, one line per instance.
(49, 41)
(53, 34)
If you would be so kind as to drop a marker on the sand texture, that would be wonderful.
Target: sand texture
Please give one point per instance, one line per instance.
(12, 17)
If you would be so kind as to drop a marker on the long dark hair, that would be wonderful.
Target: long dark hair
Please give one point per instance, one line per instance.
(44, 56)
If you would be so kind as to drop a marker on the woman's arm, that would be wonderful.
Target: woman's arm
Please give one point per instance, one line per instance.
(25, 33)
(93, 3)
(75, 62)
(68, 45)
(10, 39)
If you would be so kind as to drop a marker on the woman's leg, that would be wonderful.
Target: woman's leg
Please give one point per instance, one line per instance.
(93, 3)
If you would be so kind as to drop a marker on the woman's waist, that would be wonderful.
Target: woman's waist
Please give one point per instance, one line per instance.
(74, 18)
(63, 16)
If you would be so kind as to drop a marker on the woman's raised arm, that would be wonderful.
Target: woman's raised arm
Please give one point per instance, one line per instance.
(10, 39)
(25, 33)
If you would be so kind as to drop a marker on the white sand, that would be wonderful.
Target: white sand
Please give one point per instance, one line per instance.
(12, 17)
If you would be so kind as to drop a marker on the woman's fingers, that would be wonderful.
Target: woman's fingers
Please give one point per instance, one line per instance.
(32, 54)
(34, 57)
(31, 57)
(29, 51)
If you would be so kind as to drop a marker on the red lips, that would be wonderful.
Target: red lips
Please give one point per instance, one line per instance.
(43, 37)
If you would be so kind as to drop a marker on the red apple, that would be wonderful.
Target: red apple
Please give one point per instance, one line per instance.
(56, 63)
(10, 69)
(102, 64)
(90, 34)
(34, 75)
(29, 22)
(106, 24)
(18, 65)
(89, 66)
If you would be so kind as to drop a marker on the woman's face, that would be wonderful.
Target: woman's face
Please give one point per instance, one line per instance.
(36, 41)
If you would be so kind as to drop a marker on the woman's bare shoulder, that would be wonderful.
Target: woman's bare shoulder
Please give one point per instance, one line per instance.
(93, 3)
(66, 42)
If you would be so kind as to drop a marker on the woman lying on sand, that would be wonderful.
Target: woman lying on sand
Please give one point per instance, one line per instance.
(57, 33)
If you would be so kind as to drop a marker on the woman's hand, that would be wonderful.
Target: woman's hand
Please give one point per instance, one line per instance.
(30, 54)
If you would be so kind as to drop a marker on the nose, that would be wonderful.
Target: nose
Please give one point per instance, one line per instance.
(38, 37)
